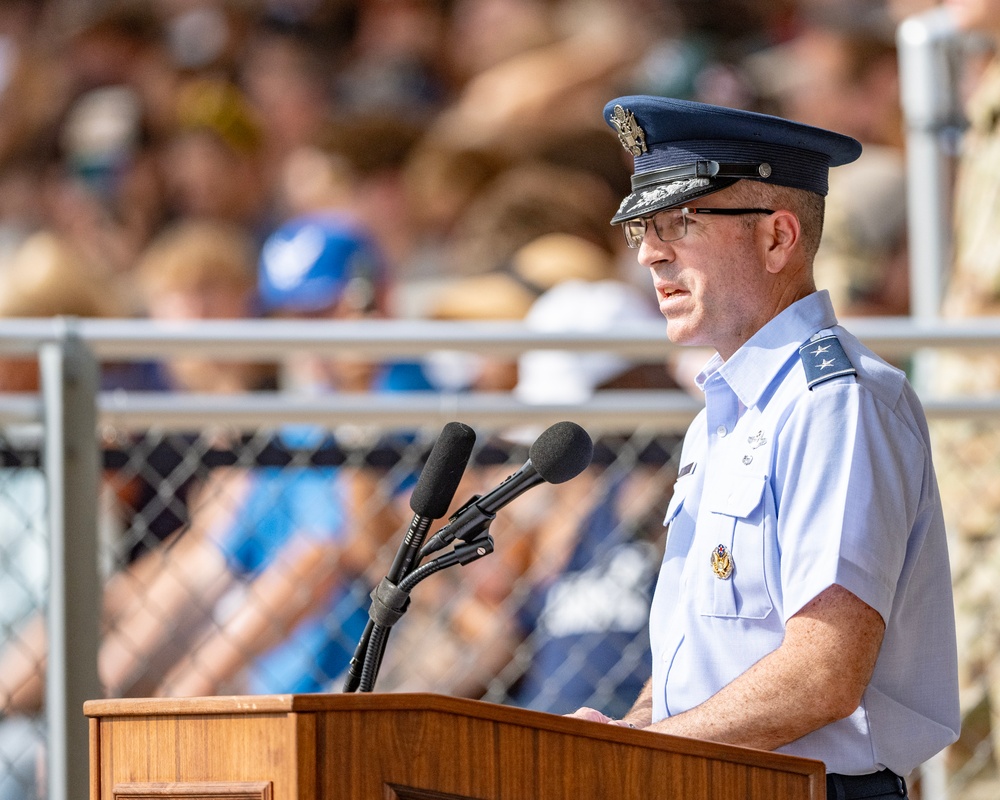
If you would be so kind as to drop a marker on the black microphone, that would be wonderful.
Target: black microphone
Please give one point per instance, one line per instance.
(561, 452)
(433, 493)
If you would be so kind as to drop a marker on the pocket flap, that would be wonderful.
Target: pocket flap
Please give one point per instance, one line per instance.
(738, 495)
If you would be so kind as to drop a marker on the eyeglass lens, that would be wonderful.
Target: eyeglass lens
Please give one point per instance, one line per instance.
(669, 226)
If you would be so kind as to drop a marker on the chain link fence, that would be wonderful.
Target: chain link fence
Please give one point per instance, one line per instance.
(24, 556)
(238, 542)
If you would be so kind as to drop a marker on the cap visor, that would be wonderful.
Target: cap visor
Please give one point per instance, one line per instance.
(651, 199)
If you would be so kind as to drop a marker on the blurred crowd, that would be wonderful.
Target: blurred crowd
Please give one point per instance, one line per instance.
(348, 159)
(397, 146)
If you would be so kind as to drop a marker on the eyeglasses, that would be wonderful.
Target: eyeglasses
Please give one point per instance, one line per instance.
(672, 224)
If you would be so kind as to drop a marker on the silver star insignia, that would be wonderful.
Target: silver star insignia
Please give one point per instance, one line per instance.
(821, 349)
(826, 362)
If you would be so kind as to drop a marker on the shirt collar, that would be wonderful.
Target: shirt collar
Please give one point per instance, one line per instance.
(752, 368)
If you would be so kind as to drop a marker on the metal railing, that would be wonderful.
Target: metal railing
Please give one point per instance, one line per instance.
(73, 411)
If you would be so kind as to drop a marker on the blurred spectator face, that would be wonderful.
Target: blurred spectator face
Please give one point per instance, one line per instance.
(285, 83)
(397, 58)
(207, 301)
(202, 270)
(844, 82)
(205, 178)
(365, 154)
(400, 29)
(820, 96)
(312, 180)
(199, 270)
(104, 191)
(212, 165)
(112, 46)
(486, 32)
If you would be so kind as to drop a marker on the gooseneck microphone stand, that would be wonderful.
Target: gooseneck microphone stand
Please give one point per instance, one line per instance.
(561, 452)
(389, 601)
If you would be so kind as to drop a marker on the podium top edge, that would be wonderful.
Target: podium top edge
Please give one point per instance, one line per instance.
(426, 702)
(267, 704)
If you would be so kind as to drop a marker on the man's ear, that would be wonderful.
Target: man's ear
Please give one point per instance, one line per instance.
(781, 239)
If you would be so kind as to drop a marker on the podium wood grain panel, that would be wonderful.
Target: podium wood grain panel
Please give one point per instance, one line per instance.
(419, 747)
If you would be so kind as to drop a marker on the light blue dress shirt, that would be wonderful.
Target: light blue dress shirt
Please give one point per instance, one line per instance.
(806, 488)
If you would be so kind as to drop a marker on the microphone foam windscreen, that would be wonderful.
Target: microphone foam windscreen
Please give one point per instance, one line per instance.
(561, 452)
(443, 471)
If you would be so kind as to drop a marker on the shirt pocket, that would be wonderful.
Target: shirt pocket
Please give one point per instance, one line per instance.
(738, 521)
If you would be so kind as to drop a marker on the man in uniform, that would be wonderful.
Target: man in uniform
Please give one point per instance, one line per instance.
(804, 602)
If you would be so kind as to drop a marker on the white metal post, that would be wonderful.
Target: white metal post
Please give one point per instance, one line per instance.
(69, 388)
(927, 46)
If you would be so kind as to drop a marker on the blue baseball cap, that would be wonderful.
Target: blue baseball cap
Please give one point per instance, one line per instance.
(307, 264)
(684, 150)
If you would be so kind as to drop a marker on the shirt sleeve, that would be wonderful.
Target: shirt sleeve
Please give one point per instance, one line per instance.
(848, 478)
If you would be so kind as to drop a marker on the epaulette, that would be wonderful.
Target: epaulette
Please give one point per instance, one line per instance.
(824, 359)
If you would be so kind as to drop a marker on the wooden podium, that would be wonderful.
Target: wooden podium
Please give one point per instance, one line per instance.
(410, 747)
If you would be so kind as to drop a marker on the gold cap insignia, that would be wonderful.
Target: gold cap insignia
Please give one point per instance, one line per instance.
(722, 562)
(632, 137)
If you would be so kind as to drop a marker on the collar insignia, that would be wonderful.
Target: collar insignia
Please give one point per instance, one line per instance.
(630, 134)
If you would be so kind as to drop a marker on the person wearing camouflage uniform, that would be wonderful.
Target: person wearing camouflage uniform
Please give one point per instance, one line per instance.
(967, 451)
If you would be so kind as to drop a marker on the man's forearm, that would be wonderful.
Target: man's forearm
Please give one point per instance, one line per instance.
(753, 711)
(816, 677)
(641, 713)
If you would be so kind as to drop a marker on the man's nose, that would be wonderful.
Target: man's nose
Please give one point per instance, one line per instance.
(653, 250)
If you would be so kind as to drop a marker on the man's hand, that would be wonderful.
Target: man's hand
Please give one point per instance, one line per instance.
(593, 715)
(639, 716)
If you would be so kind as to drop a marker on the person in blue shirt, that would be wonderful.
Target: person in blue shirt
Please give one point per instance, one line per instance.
(804, 601)
(295, 541)
(294, 612)
(325, 265)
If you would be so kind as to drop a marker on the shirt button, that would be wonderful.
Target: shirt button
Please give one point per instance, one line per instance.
(721, 430)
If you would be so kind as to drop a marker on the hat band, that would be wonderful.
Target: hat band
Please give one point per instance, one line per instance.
(700, 169)
(790, 166)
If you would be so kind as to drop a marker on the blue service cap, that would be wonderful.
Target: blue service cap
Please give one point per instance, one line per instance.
(684, 150)
(308, 263)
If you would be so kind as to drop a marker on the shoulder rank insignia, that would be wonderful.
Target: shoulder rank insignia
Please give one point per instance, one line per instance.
(630, 133)
(824, 359)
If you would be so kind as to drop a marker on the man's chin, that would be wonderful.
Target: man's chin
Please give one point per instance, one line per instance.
(680, 334)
